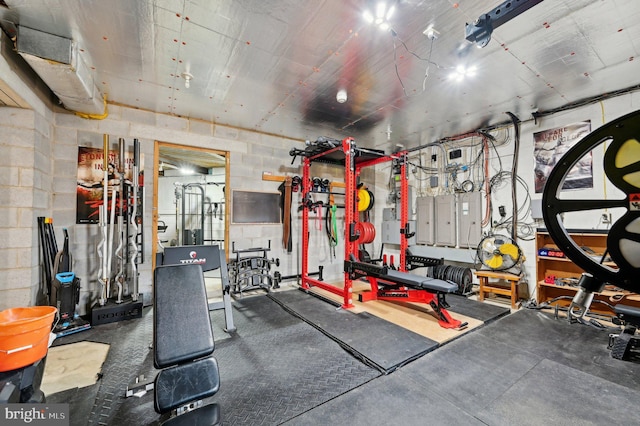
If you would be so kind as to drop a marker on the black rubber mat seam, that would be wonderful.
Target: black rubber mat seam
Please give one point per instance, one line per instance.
(357, 355)
(349, 349)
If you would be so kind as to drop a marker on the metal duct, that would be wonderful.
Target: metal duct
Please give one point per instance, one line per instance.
(58, 63)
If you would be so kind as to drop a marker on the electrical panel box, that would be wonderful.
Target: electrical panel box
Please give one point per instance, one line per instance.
(469, 209)
(445, 220)
(391, 232)
(425, 223)
(389, 214)
(536, 209)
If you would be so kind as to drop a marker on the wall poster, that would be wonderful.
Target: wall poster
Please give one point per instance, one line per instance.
(550, 145)
(90, 181)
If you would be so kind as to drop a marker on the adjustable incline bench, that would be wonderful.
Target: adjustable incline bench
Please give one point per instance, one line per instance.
(398, 286)
(211, 258)
(183, 343)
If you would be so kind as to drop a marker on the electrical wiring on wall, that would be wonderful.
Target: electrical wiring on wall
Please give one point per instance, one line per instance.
(478, 168)
(524, 229)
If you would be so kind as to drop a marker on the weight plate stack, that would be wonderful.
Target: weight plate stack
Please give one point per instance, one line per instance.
(457, 274)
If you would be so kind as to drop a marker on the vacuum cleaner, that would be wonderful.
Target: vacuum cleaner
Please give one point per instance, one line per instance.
(65, 294)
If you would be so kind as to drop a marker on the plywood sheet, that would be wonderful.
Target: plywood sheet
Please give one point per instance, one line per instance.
(416, 317)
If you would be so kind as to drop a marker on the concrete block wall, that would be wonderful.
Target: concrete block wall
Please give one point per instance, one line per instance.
(25, 193)
(39, 171)
(250, 154)
(40, 179)
(267, 153)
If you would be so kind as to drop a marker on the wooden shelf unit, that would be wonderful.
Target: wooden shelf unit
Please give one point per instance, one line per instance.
(562, 267)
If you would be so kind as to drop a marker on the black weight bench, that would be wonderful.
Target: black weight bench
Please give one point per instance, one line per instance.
(183, 343)
(622, 344)
(388, 275)
(421, 283)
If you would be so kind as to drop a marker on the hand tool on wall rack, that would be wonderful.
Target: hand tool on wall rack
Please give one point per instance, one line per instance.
(136, 187)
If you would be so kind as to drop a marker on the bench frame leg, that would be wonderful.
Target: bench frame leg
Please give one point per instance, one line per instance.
(397, 293)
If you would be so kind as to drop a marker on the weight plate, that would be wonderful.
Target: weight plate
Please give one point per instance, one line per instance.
(371, 200)
(363, 200)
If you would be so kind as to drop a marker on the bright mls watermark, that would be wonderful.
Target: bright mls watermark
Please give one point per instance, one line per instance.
(34, 414)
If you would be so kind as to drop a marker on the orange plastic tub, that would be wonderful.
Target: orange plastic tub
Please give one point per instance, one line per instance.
(24, 335)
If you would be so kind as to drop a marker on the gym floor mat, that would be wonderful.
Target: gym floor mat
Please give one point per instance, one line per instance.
(129, 345)
(525, 368)
(275, 367)
(484, 312)
(377, 342)
(531, 400)
(581, 347)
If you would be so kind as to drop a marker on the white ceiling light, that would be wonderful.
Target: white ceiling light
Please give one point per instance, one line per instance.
(461, 72)
(380, 9)
(383, 14)
(390, 12)
(341, 96)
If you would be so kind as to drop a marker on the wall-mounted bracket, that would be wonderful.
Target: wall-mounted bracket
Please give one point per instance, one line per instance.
(480, 31)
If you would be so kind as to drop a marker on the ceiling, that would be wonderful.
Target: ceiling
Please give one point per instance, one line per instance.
(176, 157)
(275, 66)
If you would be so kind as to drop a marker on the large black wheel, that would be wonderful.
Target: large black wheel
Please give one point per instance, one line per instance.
(622, 168)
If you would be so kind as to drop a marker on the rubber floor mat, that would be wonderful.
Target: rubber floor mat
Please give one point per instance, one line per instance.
(484, 312)
(274, 368)
(377, 342)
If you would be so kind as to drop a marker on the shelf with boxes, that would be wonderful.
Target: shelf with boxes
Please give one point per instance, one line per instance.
(556, 275)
